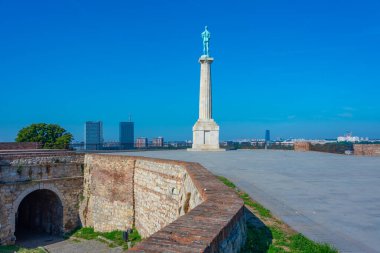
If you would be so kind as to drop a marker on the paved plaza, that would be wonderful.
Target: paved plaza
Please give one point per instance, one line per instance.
(81, 246)
(329, 198)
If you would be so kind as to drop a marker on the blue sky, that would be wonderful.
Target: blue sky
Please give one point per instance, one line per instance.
(299, 68)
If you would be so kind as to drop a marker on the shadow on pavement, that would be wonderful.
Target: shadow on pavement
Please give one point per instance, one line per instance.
(28, 239)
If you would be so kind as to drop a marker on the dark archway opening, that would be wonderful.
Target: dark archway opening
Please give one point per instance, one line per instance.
(39, 219)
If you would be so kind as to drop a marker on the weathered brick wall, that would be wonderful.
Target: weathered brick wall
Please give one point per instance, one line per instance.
(177, 206)
(302, 146)
(185, 207)
(121, 192)
(235, 236)
(19, 145)
(23, 174)
(27, 167)
(215, 225)
(163, 192)
(367, 149)
(107, 202)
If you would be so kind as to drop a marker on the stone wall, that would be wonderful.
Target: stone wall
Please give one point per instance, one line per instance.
(121, 192)
(22, 174)
(367, 149)
(215, 225)
(176, 206)
(236, 236)
(108, 193)
(302, 146)
(19, 145)
(163, 192)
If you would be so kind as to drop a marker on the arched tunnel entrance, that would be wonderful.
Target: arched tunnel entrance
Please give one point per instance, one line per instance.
(39, 217)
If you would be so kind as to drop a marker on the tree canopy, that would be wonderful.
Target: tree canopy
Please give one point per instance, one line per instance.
(51, 136)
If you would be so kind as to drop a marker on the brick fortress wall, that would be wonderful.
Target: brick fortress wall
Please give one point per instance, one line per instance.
(163, 192)
(302, 146)
(121, 192)
(22, 173)
(19, 145)
(107, 202)
(174, 205)
(367, 149)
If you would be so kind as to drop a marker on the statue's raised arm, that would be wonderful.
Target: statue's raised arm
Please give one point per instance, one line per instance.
(206, 36)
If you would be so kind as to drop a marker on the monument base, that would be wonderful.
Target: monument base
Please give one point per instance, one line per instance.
(205, 136)
(204, 150)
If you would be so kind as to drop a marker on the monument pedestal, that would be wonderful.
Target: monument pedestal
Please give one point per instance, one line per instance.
(205, 136)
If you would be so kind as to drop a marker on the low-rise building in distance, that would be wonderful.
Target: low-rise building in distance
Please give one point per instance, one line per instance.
(158, 142)
(141, 142)
(349, 138)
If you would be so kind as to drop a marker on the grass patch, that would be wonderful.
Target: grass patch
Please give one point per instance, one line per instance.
(246, 198)
(116, 236)
(299, 243)
(249, 202)
(271, 235)
(18, 249)
(227, 182)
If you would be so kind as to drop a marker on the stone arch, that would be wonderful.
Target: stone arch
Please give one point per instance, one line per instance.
(26, 192)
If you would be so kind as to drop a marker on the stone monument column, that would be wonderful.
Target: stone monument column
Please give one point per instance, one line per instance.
(205, 130)
(205, 102)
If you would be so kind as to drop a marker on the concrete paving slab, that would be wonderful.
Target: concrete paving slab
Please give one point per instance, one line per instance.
(329, 198)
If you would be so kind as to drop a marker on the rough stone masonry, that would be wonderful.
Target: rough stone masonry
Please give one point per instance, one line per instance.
(56, 176)
(173, 204)
(367, 149)
(121, 192)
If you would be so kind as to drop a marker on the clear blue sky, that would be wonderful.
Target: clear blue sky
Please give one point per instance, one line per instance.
(299, 68)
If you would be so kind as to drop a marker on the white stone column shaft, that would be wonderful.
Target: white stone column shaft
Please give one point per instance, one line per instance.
(205, 96)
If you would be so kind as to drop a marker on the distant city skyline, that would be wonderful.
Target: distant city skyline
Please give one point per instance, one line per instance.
(113, 135)
(301, 69)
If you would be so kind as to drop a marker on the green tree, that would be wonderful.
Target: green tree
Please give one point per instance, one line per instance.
(50, 135)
